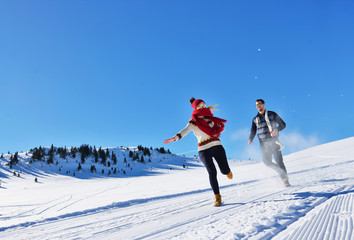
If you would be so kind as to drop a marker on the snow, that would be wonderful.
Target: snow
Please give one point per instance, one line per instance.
(163, 200)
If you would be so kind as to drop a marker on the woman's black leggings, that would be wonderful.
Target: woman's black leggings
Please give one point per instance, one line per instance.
(218, 153)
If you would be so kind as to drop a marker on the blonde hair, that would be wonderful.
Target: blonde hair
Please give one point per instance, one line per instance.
(213, 107)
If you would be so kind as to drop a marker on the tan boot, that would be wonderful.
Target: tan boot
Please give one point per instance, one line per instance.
(229, 175)
(217, 202)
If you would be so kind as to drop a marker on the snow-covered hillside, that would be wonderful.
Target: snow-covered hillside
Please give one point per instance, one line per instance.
(112, 162)
(171, 202)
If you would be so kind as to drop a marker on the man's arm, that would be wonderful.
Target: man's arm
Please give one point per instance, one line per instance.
(253, 132)
(281, 123)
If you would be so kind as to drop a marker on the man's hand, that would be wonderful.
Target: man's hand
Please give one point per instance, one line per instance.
(274, 133)
(250, 142)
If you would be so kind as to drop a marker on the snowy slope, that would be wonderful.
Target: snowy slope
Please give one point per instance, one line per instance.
(177, 204)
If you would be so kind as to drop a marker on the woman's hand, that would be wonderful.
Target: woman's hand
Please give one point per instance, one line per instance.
(172, 139)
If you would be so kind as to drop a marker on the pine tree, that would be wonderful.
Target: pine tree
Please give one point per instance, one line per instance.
(114, 158)
(37, 154)
(62, 152)
(13, 160)
(85, 151)
(162, 150)
(102, 155)
(142, 160)
(83, 158)
(51, 155)
(93, 169)
(95, 154)
(73, 152)
(147, 152)
(135, 156)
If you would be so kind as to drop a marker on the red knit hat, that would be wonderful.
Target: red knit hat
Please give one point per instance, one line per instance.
(196, 103)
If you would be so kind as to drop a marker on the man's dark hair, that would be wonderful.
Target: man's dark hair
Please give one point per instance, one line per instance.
(260, 100)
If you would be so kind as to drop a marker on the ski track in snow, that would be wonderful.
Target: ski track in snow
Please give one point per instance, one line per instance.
(38, 209)
(89, 196)
(319, 205)
(150, 212)
(331, 220)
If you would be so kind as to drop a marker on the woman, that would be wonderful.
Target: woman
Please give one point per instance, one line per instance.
(207, 129)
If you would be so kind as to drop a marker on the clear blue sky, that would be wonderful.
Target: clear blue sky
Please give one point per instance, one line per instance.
(120, 73)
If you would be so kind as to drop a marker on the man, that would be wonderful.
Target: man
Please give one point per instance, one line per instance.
(267, 125)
